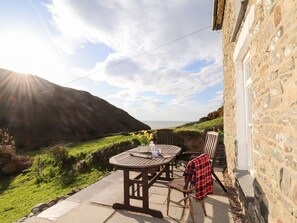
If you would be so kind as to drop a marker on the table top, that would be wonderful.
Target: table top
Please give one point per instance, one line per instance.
(125, 160)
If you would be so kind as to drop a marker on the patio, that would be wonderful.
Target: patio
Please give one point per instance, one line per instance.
(94, 204)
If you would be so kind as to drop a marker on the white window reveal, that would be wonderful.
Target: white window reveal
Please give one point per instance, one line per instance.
(242, 59)
(247, 69)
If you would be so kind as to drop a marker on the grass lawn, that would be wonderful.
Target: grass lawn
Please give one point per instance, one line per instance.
(20, 194)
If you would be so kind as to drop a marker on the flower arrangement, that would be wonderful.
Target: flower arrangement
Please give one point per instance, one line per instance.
(144, 137)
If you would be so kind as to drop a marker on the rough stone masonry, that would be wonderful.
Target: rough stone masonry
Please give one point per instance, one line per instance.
(273, 51)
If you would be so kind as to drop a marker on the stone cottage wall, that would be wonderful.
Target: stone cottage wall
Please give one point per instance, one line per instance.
(274, 75)
(229, 87)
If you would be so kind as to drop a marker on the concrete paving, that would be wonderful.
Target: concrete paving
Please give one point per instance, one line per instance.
(94, 205)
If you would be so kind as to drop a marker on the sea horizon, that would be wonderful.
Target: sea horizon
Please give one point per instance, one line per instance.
(164, 124)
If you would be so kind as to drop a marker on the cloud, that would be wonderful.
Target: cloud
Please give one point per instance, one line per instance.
(134, 26)
(136, 30)
(217, 100)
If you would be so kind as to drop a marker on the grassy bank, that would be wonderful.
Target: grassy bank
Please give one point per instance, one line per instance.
(200, 126)
(44, 181)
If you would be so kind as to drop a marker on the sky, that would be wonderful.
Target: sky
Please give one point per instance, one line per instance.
(157, 60)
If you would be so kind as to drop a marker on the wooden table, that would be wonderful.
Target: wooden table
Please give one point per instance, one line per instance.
(150, 170)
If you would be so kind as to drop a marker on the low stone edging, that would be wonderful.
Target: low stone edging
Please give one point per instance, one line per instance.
(43, 206)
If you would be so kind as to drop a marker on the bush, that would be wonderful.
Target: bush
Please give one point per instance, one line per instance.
(38, 166)
(7, 148)
(10, 162)
(100, 158)
(6, 138)
(188, 140)
(60, 155)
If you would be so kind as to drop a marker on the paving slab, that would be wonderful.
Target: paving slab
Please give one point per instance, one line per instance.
(129, 217)
(217, 210)
(87, 193)
(155, 189)
(158, 199)
(58, 210)
(113, 193)
(175, 213)
(87, 214)
(35, 219)
(114, 176)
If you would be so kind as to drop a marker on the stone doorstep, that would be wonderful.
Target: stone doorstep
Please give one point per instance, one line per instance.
(244, 184)
(244, 181)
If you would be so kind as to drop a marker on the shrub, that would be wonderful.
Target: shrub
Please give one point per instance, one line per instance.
(221, 136)
(188, 140)
(60, 155)
(100, 158)
(10, 162)
(81, 166)
(204, 119)
(7, 148)
(38, 166)
(6, 138)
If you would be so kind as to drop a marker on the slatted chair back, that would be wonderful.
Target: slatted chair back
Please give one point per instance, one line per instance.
(164, 136)
(211, 144)
(210, 148)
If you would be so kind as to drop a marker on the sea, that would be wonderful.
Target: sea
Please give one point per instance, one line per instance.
(164, 124)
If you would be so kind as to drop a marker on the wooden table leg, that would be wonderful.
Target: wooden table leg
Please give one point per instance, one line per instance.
(145, 196)
(126, 183)
(145, 190)
(126, 188)
(167, 172)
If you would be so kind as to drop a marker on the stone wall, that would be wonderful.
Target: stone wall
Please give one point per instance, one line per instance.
(229, 87)
(274, 85)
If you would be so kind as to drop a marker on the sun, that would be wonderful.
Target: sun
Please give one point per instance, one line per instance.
(26, 50)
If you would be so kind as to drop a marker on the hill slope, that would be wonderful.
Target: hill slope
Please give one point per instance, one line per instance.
(38, 112)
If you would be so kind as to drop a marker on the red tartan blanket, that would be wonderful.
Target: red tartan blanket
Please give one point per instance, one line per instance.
(198, 170)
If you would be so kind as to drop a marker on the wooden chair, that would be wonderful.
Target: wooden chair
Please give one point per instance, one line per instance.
(210, 148)
(184, 185)
(164, 136)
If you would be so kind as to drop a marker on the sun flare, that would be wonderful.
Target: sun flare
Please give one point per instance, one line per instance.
(26, 51)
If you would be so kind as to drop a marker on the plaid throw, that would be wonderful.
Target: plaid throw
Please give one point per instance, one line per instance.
(198, 171)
